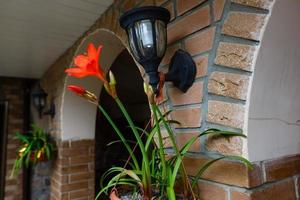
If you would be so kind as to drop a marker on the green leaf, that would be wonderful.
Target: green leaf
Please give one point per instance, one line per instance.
(209, 163)
(217, 132)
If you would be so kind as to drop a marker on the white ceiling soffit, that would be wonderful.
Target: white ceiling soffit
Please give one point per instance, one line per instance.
(34, 33)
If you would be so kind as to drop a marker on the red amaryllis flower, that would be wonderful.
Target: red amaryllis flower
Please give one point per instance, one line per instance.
(76, 89)
(80, 91)
(88, 65)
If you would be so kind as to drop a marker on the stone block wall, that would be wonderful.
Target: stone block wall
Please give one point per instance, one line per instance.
(223, 37)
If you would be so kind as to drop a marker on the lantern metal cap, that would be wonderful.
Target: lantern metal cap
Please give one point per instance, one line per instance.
(146, 12)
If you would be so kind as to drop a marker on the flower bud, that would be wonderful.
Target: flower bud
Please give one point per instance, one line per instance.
(80, 91)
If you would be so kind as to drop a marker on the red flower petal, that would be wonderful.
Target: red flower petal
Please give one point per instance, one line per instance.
(99, 50)
(78, 90)
(81, 61)
(92, 52)
(77, 72)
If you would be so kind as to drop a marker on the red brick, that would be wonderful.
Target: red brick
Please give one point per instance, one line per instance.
(81, 160)
(75, 169)
(201, 64)
(74, 186)
(80, 193)
(189, 24)
(82, 143)
(264, 4)
(211, 192)
(183, 138)
(81, 176)
(218, 9)
(188, 117)
(192, 96)
(282, 168)
(277, 191)
(228, 172)
(159, 2)
(200, 42)
(72, 152)
(170, 8)
(227, 114)
(60, 178)
(245, 25)
(186, 5)
(169, 53)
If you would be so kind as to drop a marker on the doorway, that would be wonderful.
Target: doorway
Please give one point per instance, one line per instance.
(3, 140)
(130, 91)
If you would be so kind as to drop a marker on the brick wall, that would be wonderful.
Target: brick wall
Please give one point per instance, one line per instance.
(12, 90)
(73, 172)
(223, 36)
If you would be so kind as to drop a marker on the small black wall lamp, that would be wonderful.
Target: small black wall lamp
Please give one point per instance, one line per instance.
(39, 97)
(146, 29)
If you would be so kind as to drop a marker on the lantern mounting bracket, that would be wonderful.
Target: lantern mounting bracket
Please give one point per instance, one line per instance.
(182, 70)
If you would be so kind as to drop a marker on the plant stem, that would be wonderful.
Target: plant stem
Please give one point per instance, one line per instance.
(161, 145)
(185, 180)
(106, 115)
(147, 178)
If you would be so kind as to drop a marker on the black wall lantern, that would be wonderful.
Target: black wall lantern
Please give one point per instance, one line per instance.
(39, 97)
(146, 28)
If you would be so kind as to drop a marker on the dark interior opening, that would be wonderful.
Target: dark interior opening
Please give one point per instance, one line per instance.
(3, 139)
(130, 91)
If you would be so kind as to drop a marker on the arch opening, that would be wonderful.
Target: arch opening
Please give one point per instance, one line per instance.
(274, 111)
(77, 115)
(130, 91)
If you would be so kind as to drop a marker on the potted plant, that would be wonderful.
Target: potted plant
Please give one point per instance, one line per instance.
(35, 147)
(154, 176)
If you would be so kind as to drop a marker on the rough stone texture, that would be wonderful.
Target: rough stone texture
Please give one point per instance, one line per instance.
(188, 117)
(200, 42)
(211, 192)
(228, 84)
(244, 25)
(192, 96)
(184, 5)
(227, 114)
(264, 4)
(278, 169)
(236, 56)
(189, 24)
(218, 6)
(231, 173)
(183, 138)
(226, 146)
(201, 64)
(40, 185)
(278, 191)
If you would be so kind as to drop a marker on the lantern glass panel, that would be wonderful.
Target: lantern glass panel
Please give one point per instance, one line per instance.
(42, 102)
(161, 37)
(36, 101)
(132, 44)
(145, 39)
